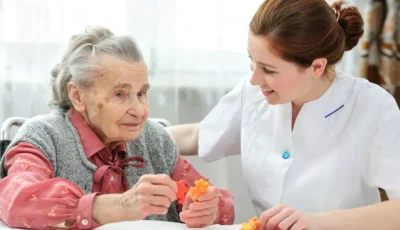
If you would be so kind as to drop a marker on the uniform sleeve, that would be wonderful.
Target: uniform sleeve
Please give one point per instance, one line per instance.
(381, 165)
(219, 132)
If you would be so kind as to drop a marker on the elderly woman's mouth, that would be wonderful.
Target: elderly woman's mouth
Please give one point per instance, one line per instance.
(133, 124)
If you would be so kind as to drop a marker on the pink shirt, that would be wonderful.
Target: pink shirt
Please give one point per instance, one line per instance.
(31, 196)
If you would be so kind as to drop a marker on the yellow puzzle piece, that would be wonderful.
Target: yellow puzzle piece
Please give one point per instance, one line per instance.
(252, 224)
(199, 188)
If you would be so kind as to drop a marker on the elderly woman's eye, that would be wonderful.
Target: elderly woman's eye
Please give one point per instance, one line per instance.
(142, 94)
(120, 94)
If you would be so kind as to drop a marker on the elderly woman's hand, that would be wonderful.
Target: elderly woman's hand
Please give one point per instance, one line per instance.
(152, 194)
(203, 212)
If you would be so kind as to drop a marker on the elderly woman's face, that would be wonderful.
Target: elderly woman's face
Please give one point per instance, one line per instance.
(116, 105)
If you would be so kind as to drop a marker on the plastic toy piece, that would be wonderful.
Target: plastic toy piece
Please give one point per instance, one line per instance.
(252, 224)
(182, 190)
(199, 188)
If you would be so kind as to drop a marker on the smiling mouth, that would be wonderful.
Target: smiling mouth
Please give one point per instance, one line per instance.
(267, 92)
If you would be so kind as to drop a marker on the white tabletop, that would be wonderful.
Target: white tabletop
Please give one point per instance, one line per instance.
(148, 225)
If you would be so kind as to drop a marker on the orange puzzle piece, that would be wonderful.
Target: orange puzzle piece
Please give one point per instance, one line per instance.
(252, 224)
(199, 188)
(182, 190)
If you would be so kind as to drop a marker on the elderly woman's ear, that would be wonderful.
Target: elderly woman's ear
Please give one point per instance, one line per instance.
(75, 96)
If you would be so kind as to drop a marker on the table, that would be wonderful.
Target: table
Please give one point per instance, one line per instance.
(150, 224)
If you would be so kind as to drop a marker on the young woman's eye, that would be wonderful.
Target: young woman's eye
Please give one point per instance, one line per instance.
(268, 71)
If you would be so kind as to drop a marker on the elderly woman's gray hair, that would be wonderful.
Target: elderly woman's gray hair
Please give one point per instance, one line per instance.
(80, 63)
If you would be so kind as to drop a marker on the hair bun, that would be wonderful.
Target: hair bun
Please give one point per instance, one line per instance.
(351, 21)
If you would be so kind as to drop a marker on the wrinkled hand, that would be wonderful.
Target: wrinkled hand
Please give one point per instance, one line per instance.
(201, 213)
(282, 217)
(152, 194)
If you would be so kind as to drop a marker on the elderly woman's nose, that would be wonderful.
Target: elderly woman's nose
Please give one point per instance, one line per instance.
(137, 109)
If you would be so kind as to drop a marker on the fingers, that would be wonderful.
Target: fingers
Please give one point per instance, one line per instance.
(160, 179)
(274, 221)
(265, 216)
(288, 222)
(187, 203)
(157, 185)
(201, 221)
(157, 190)
(299, 226)
(302, 223)
(211, 192)
(205, 204)
(161, 201)
(201, 213)
(198, 213)
(283, 218)
(204, 212)
(152, 194)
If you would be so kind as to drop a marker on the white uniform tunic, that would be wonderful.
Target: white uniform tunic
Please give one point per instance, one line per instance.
(343, 146)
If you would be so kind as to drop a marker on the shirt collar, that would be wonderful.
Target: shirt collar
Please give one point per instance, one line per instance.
(319, 115)
(91, 143)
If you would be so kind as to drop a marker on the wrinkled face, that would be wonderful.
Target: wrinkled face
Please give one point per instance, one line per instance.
(280, 81)
(115, 104)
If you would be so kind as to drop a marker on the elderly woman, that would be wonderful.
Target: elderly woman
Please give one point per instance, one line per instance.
(97, 159)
